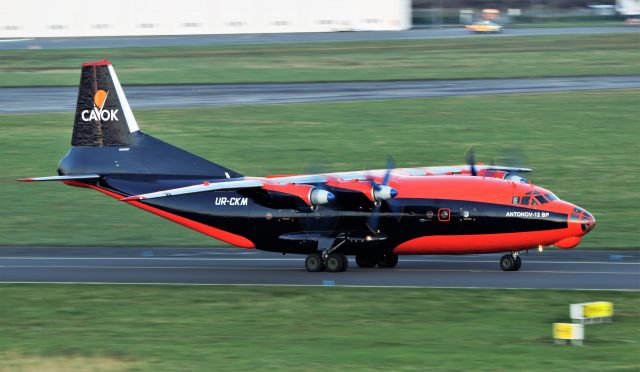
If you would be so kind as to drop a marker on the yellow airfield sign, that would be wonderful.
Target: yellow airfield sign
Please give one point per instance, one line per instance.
(592, 311)
(573, 332)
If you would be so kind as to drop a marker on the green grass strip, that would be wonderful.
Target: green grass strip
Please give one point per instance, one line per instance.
(177, 328)
(455, 58)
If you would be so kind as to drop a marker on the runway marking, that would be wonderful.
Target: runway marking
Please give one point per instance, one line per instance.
(324, 286)
(300, 269)
(301, 259)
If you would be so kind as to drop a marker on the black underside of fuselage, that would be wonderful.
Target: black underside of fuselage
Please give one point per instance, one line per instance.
(268, 218)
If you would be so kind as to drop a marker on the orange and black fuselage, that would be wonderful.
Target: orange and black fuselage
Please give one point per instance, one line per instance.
(430, 215)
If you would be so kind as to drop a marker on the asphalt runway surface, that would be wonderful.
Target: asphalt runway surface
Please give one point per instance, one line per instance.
(153, 41)
(571, 269)
(63, 99)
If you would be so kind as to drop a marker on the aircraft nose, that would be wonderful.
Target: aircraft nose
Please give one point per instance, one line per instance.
(585, 220)
(589, 222)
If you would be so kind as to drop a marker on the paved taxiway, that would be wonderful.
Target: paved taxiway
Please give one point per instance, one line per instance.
(575, 269)
(63, 99)
(310, 37)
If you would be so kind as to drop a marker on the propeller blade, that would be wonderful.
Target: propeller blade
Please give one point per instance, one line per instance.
(470, 158)
(384, 192)
(391, 163)
(374, 219)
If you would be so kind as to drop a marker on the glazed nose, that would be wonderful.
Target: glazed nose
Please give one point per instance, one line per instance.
(588, 222)
(584, 219)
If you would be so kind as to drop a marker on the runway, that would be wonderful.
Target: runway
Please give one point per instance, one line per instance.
(63, 99)
(557, 269)
(311, 37)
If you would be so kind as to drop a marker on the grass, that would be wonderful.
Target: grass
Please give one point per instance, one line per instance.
(283, 328)
(561, 24)
(456, 58)
(582, 146)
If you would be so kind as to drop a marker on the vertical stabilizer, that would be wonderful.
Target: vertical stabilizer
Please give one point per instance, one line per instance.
(106, 138)
(103, 116)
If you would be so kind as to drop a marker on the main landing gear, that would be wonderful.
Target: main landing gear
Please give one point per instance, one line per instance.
(511, 262)
(333, 263)
(327, 259)
(336, 262)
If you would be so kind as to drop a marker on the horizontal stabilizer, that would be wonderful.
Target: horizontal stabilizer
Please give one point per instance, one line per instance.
(61, 178)
(206, 186)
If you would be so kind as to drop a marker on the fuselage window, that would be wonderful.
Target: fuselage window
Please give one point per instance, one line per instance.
(515, 200)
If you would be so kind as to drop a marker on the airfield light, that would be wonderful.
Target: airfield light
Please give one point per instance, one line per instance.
(540, 248)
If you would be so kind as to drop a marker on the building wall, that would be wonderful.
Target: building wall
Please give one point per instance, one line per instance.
(64, 18)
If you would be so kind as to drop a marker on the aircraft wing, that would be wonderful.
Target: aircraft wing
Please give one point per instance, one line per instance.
(506, 169)
(206, 186)
(300, 185)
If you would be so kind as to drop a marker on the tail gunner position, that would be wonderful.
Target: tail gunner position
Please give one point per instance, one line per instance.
(374, 215)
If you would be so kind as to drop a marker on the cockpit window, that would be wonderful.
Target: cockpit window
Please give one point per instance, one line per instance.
(515, 200)
(524, 200)
(541, 199)
(551, 196)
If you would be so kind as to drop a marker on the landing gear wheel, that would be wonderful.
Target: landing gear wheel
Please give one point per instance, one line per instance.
(366, 260)
(507, 263)
(336, 262)
(314, 263)
(346, 262)
(388, 260)
(518, 263)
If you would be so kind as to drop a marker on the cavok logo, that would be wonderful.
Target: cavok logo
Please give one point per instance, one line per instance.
(98, 113)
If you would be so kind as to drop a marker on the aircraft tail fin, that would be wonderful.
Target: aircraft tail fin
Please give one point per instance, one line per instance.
(107, 140)
(103, 116)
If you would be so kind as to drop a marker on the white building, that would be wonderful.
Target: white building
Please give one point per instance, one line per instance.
(68, 18)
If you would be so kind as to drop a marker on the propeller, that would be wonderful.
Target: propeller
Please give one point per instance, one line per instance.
(324, 219)
(470, 158)
(514, 157)
(381, 191)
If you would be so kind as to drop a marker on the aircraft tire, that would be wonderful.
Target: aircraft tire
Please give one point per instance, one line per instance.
(517, 264)
(314, 263)
(346, 262)
(507, 263)
(388, 260)
(365, 261)
(336, 262)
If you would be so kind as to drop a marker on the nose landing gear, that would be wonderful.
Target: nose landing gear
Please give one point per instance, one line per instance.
(511, 262)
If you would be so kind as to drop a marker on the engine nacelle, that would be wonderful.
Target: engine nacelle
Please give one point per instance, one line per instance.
(319, 197)
(311, 195)
(514, 178)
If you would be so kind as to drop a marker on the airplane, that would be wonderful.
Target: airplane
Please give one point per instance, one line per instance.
(374, 215)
